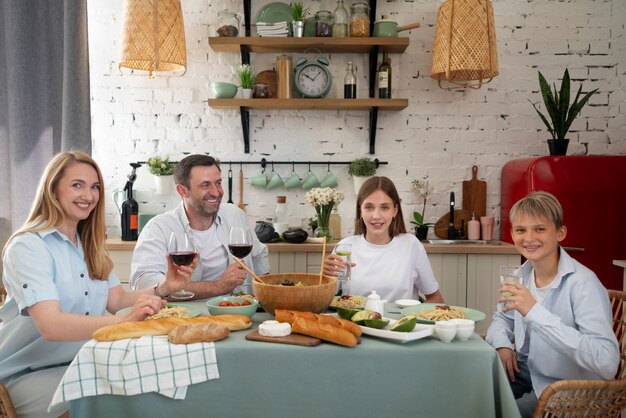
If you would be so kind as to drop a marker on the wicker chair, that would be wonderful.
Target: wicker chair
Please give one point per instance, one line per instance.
(591, 398)
(7, 410)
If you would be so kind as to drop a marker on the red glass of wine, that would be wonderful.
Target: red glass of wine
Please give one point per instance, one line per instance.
(182, 251)
(240, 245)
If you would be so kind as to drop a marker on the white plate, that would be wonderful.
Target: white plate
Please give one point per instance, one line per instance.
(420, 331)
(405, 303)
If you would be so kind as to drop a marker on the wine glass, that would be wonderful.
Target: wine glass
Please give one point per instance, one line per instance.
(182, 251)
(240, 245)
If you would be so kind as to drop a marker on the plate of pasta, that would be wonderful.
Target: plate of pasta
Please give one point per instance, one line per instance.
(428, 313)
(347, 302)
(176, 310)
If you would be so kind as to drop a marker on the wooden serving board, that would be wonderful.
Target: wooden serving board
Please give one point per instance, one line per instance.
(475, 195)
(295, 339)
(441, 227)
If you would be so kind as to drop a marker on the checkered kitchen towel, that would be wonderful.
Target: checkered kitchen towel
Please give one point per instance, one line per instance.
(137, 365)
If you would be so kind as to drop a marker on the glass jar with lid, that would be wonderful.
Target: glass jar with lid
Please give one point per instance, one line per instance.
(323, 23)
(360, 19)
(227, 23)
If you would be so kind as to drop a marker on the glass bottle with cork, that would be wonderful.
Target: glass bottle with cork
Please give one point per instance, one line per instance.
(281, 215)
(384, 77)
(323, 23)
(340, 23)
(334, 223)
(349, 85)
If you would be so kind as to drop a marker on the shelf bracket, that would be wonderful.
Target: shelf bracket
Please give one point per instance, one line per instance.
(245, 54)
(245, 127)
(373, 123)
(373, 62)
(247, 7)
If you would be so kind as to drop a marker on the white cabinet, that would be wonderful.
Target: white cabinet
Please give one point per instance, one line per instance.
(121, 264)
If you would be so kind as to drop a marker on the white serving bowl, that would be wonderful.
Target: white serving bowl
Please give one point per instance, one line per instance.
(405, 303)
(445, 334)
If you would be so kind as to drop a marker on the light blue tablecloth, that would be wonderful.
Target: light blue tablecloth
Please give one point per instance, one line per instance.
(377, 378)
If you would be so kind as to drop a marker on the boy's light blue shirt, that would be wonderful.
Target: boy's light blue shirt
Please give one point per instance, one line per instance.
(149, 258)
(37, 267)
(570, 331)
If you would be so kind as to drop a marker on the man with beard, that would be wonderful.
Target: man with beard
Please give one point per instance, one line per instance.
(202, 215)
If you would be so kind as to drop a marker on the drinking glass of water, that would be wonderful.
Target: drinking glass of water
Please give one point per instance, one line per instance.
(344, 251)
(508, 274)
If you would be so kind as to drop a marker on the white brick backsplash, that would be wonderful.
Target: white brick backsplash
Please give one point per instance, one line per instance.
(440, 135)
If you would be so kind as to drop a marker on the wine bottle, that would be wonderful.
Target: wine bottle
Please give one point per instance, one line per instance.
(384, 78)
(349, 85)
(130, 215)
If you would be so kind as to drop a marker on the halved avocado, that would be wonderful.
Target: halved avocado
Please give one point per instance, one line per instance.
(376, 323)
(346, 313)
(361, 316)
(405, 324)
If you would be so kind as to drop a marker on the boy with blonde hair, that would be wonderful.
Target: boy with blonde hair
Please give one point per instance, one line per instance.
(557, 324)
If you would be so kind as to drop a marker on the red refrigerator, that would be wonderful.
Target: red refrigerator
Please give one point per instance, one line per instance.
(592, 191)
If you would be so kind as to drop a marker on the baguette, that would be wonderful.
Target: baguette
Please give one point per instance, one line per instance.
(326, 332)
(285, 315)
(163, 326)
(189, 334)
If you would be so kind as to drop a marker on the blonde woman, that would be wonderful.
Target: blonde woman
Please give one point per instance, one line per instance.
(60, 283)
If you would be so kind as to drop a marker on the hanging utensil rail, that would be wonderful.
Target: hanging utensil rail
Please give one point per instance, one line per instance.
(265, 162)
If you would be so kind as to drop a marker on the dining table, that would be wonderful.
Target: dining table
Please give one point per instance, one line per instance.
(376, 378)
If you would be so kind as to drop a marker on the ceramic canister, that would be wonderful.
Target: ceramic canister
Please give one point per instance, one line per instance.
(284, 73)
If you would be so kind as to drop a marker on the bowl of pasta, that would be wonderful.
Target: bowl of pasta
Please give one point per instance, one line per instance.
(429, 313)
(232, 305)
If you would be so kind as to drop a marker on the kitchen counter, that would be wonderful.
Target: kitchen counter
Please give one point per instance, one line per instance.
(494, 247)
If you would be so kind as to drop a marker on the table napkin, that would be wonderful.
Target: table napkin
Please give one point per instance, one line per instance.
(137, 365)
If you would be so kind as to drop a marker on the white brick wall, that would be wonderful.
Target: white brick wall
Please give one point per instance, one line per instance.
(440, 135)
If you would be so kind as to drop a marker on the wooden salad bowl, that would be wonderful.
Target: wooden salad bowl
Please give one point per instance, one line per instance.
(313, 297)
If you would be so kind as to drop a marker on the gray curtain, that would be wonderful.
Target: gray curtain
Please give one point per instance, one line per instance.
(44, 96)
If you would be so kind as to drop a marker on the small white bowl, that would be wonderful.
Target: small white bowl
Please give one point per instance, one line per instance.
(464, 333)
(445, 324)
(445, 334)
(405, 303)
(462, 322)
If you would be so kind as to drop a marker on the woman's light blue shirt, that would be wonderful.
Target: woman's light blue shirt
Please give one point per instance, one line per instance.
(37, 267)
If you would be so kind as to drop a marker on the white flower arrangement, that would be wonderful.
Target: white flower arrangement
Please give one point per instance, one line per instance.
(322, 196)
(244, 76)
(423, 192)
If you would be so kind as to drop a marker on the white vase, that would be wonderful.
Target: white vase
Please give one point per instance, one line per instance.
(358, 182)
(246, 93)
(164, 184)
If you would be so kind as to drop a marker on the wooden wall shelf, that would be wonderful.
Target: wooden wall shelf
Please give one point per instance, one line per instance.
(317, 104)
(341, 45)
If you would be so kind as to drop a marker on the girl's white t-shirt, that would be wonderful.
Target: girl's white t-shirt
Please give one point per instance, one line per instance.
(397, 270)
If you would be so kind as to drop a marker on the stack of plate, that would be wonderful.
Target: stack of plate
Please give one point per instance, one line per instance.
(272, 29)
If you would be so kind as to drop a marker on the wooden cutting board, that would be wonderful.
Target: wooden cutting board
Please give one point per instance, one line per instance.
(475, 195)
(295, 339)
(441, 227)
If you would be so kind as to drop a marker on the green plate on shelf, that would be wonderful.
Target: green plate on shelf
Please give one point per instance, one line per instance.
(193, 310)
(472, 314)
(274, 12)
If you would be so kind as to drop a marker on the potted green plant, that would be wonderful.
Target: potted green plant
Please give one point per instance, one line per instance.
(423, 192)
(561, 113)
(245, 79)
(298, 13)
(163, 171)
(361, 169)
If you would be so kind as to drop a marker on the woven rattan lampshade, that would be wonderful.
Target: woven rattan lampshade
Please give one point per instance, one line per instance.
(465, 53)
(154, 37)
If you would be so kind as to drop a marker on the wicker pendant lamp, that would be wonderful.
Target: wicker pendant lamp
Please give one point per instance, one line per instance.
(153, 39)
(464, 54)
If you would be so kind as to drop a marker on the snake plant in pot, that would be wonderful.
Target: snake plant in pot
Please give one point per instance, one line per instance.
(560, 112)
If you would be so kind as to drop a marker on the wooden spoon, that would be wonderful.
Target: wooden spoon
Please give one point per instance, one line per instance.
(242, 264)
(323, 255)
(240, 204)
